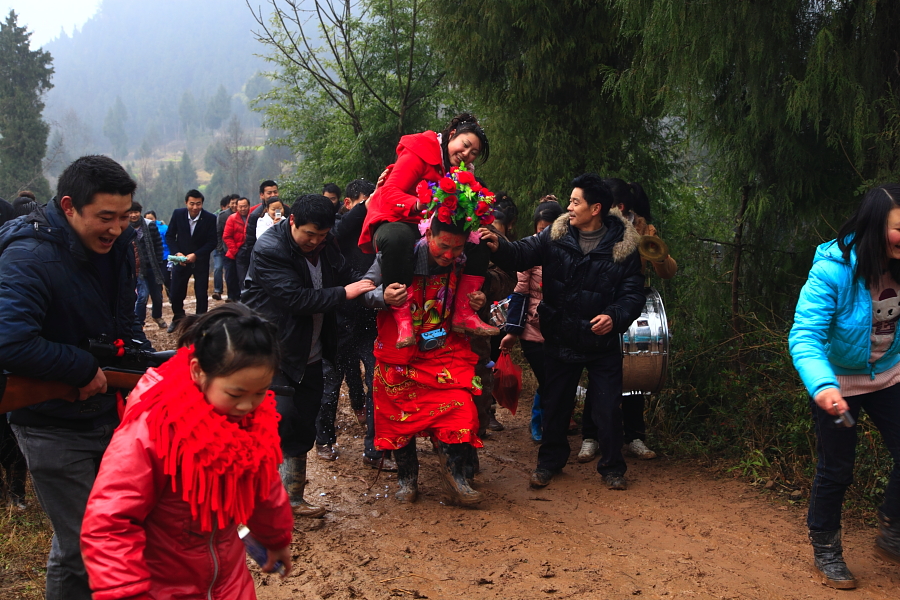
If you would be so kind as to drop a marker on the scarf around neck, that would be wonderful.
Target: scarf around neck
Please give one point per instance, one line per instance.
(219, 465)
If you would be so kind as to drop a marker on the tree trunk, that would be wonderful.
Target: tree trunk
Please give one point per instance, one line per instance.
(736, 270)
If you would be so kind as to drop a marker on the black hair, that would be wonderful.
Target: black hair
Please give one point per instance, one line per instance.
(151, 212)
(866, 231)
(631, 195)
(437, 227)
(26, 194)
(548, 210)
(331, 188)
(464, 123)
(194, 194)
(359, 187)
(91, 175)
(239, 199)
(265, 184)
(594, 191)
(225, 201)
(272, 200)
(315, 209)
(136, 206)
(230, 338)
(23, 205)
(506, 212)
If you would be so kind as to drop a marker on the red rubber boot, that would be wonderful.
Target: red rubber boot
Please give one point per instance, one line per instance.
(464, 318)
(403, 318)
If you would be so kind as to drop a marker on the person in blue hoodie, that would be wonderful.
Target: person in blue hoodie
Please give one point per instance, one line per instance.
(845, 348)
(67, 275)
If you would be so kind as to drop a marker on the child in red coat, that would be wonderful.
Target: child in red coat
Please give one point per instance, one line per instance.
(197, 453)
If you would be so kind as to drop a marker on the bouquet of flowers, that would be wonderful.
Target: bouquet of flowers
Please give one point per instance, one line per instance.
(458, 198)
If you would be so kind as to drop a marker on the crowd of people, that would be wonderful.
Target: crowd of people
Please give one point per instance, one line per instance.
(388, 287)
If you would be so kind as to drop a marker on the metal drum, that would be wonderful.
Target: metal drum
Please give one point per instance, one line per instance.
(645, 348)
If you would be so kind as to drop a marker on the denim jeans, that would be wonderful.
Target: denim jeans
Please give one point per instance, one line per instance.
(63, 465)
(218, 270)
(604, 395)
(836, 448)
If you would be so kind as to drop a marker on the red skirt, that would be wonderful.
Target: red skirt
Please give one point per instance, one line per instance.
(423, 399)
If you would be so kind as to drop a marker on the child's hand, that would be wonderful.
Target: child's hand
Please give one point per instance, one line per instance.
(273, 556)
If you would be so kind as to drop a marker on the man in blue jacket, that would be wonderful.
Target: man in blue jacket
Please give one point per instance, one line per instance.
(192, 235)
(67, 274)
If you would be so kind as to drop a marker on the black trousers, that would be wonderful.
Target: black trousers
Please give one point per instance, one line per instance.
(232, 281)
(396, 242)
(604, 394)
(181, 274)
(297, 427)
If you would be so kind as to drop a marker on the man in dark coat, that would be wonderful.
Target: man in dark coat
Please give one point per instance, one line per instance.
(151, 267)
(191, 234)
(267, 189)
(297, 279)
(67, 274)
(593, 290)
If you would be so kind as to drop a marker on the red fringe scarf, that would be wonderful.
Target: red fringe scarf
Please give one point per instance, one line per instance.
(219, 465)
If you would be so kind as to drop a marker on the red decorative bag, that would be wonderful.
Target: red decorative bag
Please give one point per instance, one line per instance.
(507, 382)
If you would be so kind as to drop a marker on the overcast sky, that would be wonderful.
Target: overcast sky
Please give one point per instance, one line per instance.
(44, 18)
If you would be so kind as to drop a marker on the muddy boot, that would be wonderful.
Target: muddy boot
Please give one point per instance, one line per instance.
(403, 318)
(473, 466)
(887, 544)
(829, 560)
(293, 476)
(453, 475)
(464, 318)
(17, 477)
(407, 473)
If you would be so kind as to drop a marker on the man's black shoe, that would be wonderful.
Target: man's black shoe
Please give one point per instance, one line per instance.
(615, 482)
(388, 465)
(172, 327)
(216, 296)
(540, 478)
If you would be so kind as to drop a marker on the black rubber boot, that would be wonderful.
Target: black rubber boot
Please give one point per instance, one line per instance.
(453, 475)
(829, 560)
(407, 473)
(887, 543)
(293, 476)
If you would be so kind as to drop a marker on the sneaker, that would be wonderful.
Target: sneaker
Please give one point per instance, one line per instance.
(540, 478)
(161, 323)
(387, 465)
(615, 482)
(638, 449)
(216, 296)
(588, 450)
(326, 452)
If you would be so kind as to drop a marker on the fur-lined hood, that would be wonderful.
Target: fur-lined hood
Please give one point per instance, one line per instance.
(621, 250)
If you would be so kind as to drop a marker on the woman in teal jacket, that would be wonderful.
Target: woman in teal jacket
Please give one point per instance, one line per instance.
(844, 347)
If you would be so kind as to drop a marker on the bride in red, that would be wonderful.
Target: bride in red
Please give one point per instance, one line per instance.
(395, 210)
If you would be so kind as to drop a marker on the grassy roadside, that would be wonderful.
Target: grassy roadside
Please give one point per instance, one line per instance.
(24, 545)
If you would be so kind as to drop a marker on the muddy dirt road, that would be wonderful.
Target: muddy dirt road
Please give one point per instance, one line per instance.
(677, 532)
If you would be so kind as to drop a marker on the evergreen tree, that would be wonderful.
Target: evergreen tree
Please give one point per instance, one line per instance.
(187, 174)
(539, 70)
(24, 77)
(114, 128)
(219, 109)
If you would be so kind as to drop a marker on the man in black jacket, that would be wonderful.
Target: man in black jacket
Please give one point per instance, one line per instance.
(297, 279)
(267, 189)
(67, 274)
(593, 290)
(148, 244)
(191, 234)
(227, 207)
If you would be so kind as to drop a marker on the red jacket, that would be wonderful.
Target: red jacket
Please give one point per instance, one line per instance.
(418, 158)
(234, 235)
(138, 539)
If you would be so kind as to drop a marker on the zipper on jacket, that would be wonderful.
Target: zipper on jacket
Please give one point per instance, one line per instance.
(212, 551)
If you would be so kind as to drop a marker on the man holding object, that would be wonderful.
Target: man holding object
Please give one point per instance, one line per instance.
(67, 274)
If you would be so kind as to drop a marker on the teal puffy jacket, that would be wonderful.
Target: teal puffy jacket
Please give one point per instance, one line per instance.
(832, 327)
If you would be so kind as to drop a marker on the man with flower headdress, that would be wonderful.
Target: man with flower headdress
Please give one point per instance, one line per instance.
(426, 388)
